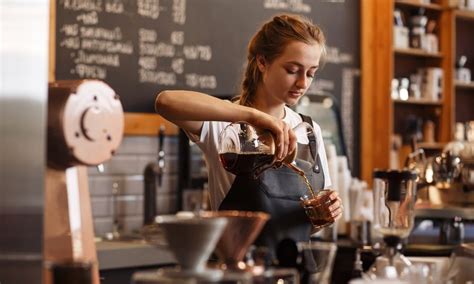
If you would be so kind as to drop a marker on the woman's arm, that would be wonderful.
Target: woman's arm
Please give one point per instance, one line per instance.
(189, 109)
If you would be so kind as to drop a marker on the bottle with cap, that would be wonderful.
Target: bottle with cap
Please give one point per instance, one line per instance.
(457, 145)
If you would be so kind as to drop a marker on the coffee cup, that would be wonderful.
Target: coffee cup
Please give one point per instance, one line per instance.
(317, 208)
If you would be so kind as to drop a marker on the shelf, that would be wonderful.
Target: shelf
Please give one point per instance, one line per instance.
(417, 4)
(465, 14)
(417, 52)
(418, 102)
(462, 85)
(385, 116)
(430, 146)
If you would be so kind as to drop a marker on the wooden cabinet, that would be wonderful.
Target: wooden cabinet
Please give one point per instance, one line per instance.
(464, 45)
(384, 116)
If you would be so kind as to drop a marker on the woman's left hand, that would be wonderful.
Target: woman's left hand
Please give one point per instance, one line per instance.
(333, 208)
(335, 205)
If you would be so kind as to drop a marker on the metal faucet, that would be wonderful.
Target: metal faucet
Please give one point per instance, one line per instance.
(100, 168)
(116, 223)
(115, 234)
(153, 175)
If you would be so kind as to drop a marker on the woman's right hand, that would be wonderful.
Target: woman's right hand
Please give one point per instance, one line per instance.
(285, 138)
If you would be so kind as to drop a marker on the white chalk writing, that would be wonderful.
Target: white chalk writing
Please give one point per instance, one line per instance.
(101, 33)
(177, 38)
(97, 59)
(97, 49)
(107, 46)
(90, 18)
(91, 71)
(201, 81)
(321, 87)
(161, 49)
(334, 56)
(149, 8)
(177, 65)
(147, 62)
(156, 77)
(70, 30)
(82, 5)
(146, 35)
(293, 5)
(347, 108)
(114, 6)
(179, 11)
(203, 52)
(70, 42)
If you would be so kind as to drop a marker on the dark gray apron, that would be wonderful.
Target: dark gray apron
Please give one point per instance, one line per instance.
(278, 192)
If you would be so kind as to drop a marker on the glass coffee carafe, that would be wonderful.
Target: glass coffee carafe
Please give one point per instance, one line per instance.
(394, 201)
(244, 149)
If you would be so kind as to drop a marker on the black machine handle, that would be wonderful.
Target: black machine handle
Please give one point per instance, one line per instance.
(152, 179)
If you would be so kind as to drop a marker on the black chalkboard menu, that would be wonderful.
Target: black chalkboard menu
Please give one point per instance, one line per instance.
(140, 47)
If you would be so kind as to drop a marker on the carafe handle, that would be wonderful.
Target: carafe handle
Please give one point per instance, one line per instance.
(304, 124)
(292, 156)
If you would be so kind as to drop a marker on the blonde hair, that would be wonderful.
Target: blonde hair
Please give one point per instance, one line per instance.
(270, 42)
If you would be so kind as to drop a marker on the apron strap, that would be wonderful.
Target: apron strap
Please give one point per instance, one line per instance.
(313, 144)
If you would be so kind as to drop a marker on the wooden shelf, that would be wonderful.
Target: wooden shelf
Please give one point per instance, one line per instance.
(147, 124)
(417, 4)
(417, 52)
(462, 85)
(418, 102)
(465, 14)
(430, 146)
(385, 117)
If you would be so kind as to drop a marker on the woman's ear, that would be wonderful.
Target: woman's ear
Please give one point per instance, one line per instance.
(261, 63)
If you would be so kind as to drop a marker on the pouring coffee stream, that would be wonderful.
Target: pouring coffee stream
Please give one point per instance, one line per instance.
(303, 175)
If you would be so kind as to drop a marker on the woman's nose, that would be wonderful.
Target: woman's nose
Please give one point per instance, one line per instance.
(302, 82)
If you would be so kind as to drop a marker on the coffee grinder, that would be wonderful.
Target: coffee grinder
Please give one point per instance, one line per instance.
(394, 201)
(85, 128)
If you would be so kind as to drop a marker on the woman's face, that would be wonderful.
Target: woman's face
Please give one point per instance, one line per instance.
(286, 79)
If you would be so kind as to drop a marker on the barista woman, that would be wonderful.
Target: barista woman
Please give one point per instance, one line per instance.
(283, 58)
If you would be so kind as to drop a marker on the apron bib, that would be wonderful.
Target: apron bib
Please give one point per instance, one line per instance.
(278, 192)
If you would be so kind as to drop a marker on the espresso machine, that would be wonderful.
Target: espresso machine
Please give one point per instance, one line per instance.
(394, 214)
(85, 128)
(446, 188)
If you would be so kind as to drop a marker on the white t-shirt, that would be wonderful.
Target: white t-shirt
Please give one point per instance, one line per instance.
(220, 180)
